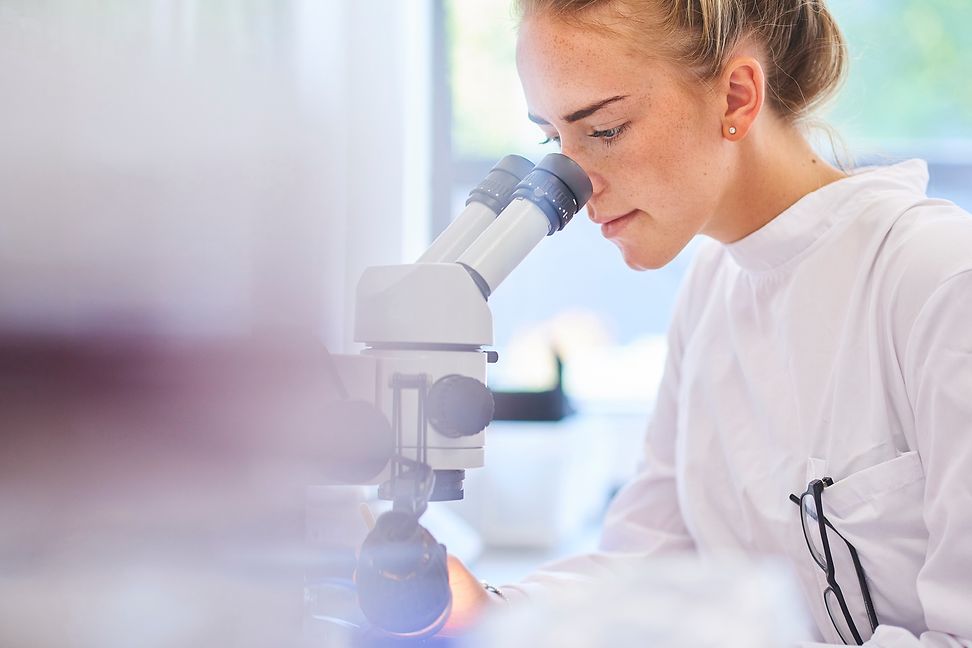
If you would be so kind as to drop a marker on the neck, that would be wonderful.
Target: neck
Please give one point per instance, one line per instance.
(773, 167)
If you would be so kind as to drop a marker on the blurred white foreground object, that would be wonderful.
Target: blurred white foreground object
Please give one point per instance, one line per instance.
(674, 603)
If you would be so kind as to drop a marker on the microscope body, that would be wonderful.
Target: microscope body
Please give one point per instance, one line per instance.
(418, 389)
(431, 322)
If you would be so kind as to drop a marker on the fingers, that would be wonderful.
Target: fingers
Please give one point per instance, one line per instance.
(469, 599)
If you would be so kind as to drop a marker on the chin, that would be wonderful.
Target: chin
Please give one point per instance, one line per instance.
(641, 260)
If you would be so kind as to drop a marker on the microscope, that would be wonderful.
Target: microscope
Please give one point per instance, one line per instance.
(413, 406)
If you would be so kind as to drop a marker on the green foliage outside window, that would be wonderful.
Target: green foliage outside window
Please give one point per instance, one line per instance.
(909, 75)
(489, 114)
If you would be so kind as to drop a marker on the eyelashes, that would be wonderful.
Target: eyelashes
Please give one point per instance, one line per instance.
(608, 136)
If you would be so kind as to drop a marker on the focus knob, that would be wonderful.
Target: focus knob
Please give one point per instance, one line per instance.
(459, 406)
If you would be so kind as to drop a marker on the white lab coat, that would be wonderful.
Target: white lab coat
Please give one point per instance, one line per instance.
(834, 341)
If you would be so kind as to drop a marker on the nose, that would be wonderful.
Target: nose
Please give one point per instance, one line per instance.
(597, 183)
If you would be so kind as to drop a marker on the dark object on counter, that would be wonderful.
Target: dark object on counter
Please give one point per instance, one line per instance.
(547, 405)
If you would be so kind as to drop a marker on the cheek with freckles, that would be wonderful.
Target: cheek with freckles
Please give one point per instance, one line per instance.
(675, 191)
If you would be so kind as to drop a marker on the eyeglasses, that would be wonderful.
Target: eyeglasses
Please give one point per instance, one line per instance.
(815, 531)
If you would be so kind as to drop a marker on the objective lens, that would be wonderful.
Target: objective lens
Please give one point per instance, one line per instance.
(403, 578)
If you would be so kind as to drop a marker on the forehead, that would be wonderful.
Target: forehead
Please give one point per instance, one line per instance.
(563, 67)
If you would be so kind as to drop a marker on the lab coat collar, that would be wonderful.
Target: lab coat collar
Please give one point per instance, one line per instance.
(807, 220)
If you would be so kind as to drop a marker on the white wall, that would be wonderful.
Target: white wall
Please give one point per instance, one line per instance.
(387, 93)
(203, 168)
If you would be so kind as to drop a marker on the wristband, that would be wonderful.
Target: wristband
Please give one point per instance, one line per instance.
(493, 590)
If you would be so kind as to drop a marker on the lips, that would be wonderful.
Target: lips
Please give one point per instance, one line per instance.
(611, 226)
(603, 220)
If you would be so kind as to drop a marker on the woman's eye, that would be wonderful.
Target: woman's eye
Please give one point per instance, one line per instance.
(551, 140)
(609, 134)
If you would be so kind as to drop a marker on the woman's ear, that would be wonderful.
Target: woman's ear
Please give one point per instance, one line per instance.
(744, 86)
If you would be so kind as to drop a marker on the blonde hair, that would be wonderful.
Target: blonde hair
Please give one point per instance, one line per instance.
(803, 50)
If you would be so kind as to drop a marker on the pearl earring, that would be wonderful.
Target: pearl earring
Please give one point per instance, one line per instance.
(732, 130)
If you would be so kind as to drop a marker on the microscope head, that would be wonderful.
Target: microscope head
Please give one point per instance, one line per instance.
(425, 325)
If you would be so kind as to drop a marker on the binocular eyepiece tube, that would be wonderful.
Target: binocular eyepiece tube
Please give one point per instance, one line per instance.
(485, 201)
(541, 204)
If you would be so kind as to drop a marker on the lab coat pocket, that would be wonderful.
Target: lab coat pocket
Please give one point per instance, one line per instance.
(879, 511)
(873, 483)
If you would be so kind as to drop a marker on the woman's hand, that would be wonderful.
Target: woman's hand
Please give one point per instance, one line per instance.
(469, 599)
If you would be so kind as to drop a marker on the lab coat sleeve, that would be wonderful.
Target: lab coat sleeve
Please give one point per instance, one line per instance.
(938, 376)
(644, 519)
(645, 516)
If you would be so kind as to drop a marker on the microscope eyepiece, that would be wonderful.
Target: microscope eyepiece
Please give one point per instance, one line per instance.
(570, 173)
(559, 187)
(543, 203)
(486, 200)
(496, 189)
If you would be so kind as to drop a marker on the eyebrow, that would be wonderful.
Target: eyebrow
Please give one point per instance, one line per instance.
(578, 115)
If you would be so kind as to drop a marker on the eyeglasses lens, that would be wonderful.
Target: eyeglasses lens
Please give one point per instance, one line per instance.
(811, 529)
(837, 616)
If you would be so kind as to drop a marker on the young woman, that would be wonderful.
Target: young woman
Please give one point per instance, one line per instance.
(822, 343)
